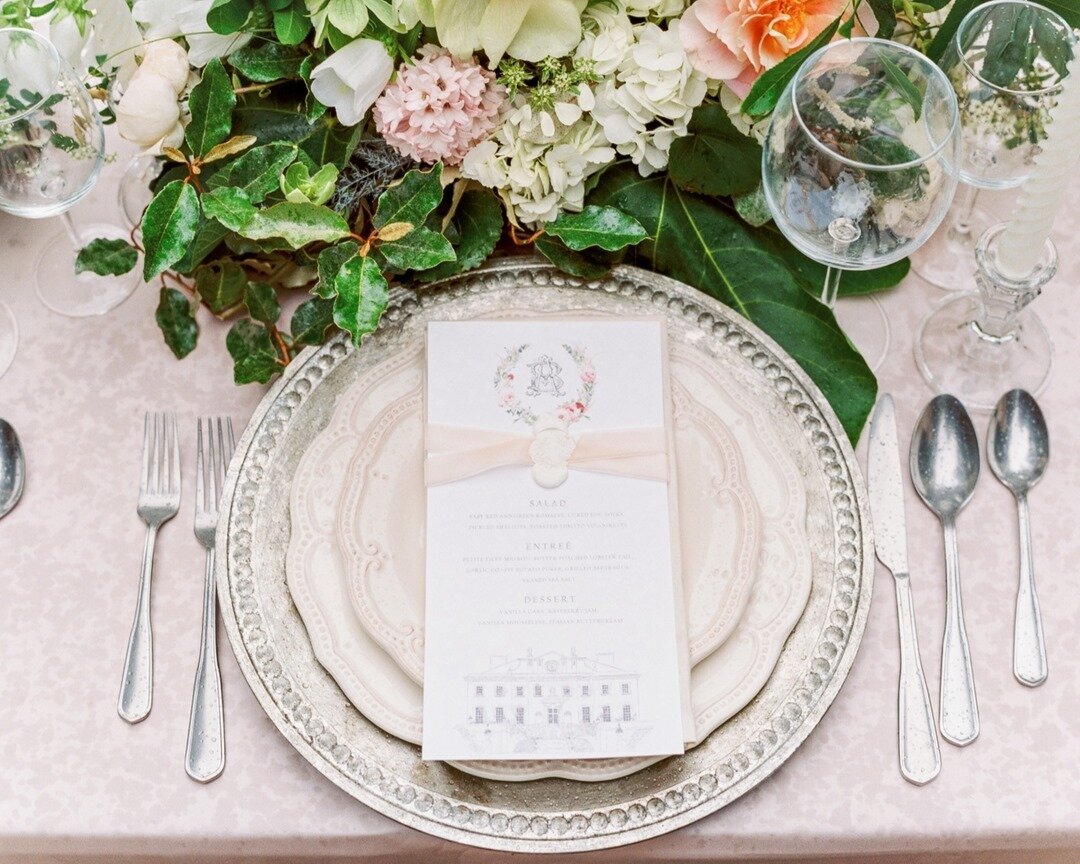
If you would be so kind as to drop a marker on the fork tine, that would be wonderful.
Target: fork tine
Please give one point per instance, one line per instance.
(222, 463)
(232, 443)
(174, 463)
(155, 473)
(146, 452)
(200, 495)
(211, 474)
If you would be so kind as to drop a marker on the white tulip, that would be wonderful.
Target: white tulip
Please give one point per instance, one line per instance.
(350, 80)
(169, 60)
(148, 113)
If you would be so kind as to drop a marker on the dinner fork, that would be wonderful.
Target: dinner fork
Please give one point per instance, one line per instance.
(205, 756)
(159, 499)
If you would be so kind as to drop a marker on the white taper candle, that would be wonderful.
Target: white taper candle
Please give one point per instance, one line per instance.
(1022, 242)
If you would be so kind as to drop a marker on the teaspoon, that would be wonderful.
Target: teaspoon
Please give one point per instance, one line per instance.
(12, 468)
(944, 469)
(1018, 448)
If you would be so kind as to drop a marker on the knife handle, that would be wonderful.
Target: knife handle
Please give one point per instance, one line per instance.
(920, 756)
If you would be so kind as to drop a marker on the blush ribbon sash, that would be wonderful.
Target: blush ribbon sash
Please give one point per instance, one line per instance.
(457, 452)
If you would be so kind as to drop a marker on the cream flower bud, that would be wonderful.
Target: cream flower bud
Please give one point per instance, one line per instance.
(350, 80)
(148, 112)
(167, 59)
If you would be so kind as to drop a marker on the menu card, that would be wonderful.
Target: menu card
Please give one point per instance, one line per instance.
(552, 623)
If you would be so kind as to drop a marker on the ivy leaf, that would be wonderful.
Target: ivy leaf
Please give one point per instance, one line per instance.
(291, 25)
(177, 323)
(311, 320)
(361, 297)
(252, 350)
(606, 227)
(236, 144)
(585, 266)
(395, 231)
(261, 301)
(418, 193)
(256, 172)
(766, 91)
(208, 237)
(296, 224)
(420, 249)
(228, 16)
(700, 242)
(168, 227)
(220, 284)
(267, 61)
(106, 257)
(478, 221)
(716, 158)
(211, 104)
(273, 119)
(329, 263)
(229, 206)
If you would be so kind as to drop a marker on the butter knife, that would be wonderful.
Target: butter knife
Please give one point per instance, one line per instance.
(920, 755)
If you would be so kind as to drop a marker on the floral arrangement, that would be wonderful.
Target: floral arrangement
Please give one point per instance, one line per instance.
(335, 147)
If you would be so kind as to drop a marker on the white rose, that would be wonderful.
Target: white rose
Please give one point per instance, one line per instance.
(350, 80)
(187, 18)
(167, 59)
(148, 113)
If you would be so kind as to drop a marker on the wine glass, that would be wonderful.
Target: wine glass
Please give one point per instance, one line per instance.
(1007, 62)
(860, 160)
(52, 146)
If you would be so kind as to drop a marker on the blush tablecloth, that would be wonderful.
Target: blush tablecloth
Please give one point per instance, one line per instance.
(78, 784)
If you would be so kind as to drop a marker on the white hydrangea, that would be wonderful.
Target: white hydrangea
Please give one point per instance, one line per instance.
(608, 35)
(655, 10)
(732, 103)
(649, 100)
(539, 163)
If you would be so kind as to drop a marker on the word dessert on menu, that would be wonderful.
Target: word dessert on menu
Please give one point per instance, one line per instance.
(554, 628)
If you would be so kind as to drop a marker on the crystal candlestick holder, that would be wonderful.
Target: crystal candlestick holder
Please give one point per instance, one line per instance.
(980, 344)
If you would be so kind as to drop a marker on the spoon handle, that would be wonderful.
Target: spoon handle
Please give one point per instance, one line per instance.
(1029, 649)
(959, 709)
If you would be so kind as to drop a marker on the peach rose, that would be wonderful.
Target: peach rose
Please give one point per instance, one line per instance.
(734, 41)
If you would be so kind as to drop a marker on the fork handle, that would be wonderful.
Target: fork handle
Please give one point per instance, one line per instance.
(205, 756)
(137, 685)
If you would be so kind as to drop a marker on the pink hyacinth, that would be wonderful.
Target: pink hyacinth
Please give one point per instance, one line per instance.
(438, 108)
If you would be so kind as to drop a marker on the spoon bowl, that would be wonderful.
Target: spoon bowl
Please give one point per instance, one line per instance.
(945, 456)
(12, 468)
(1018, 444)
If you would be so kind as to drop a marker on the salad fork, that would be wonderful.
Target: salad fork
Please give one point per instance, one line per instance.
(159, 499)
(204, 759)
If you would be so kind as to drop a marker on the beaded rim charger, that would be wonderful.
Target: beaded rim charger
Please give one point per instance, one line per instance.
(275, 654)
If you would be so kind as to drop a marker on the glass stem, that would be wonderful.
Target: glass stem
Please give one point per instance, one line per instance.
(72, 231)
(960, 230)
(831, 287)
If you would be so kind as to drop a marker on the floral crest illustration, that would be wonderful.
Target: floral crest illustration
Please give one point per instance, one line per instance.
(547, 378)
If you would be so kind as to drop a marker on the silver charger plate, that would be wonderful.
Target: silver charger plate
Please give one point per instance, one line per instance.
(275, 654)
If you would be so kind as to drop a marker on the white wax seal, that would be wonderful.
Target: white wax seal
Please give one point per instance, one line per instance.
(550, 451)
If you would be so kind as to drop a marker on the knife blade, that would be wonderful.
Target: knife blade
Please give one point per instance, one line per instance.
(885, 478)
(920, 754)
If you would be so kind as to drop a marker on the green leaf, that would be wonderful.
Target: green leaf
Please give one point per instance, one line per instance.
(700, 242)
(228, 16)
(361, 297)
(420, 249)
(329, 263)
(581, 264)
(177, 323)
(606, 227)
(418, 193)
(261, 301)
(220, 284)
(885, 15)
(106, 257)
(1067, 9)
(272, 119)
(229, 206)
(902, 84)
(211, 104)
(1007, 45)
(264, 62)
(716, 158)
(256, 172)
(296, 224)
(299, 185)
(765, 92)
(311, 320)
(253, 353)
(291, 25)
(944, 36)
(478, 221)
(168, 227)
(208, 237)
